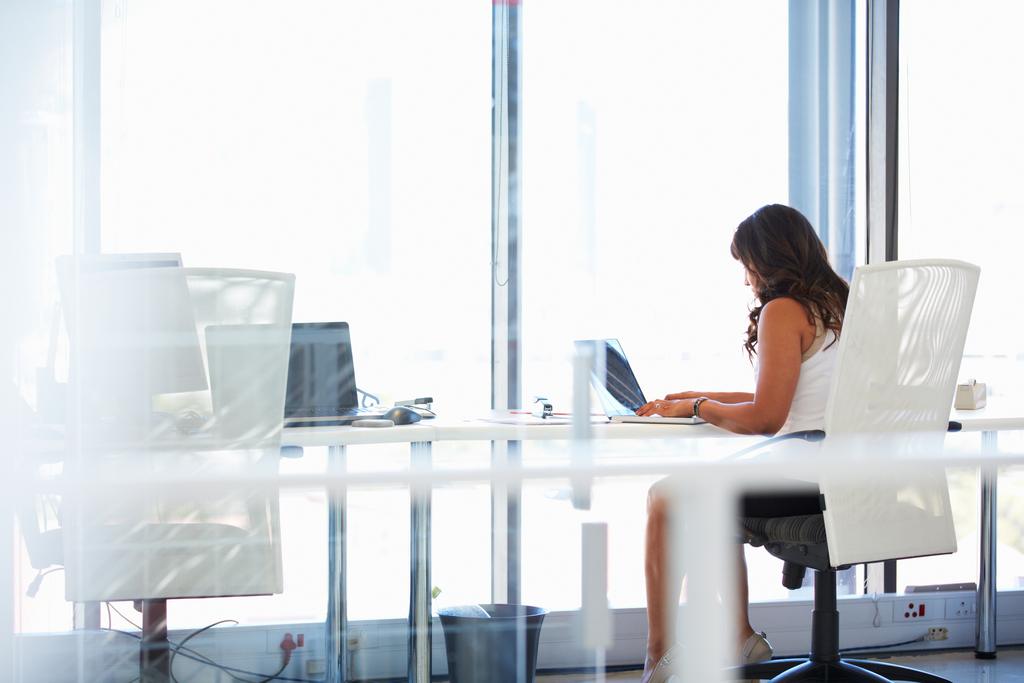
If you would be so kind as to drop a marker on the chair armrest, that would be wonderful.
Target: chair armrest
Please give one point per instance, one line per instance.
(811, 435)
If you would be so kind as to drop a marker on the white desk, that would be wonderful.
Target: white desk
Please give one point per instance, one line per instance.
(420, 436)
(999, 416)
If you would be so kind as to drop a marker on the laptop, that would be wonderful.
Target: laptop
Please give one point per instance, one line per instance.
(322, 378)
(616, 385)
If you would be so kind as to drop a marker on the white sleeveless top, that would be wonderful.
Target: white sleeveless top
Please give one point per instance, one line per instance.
(808, 408)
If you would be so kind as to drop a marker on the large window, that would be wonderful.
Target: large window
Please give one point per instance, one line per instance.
(351, 144)
(649, 132)
(960, 174)
(347, 143)
(961, 169)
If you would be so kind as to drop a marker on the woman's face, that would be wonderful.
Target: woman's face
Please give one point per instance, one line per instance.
(750, 279)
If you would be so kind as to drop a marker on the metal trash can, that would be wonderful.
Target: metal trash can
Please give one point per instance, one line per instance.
(492, 643)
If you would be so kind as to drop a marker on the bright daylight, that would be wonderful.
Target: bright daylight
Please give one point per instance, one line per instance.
(520, 341)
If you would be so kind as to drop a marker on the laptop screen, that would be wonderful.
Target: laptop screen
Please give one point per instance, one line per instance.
(613, 379)
(321, 376)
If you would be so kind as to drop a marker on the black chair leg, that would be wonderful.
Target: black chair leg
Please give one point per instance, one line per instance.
(788, 670)
(896, 672)
(825, 663)
(807, 671)
(828, 671)
(852, 672)
(842, 670)
(764, 670)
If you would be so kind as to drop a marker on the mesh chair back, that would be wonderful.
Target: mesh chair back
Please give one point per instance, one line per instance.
(190, 369)
(902, 341)
(898, 359)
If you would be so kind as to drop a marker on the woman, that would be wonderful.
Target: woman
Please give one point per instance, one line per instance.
(791, 341)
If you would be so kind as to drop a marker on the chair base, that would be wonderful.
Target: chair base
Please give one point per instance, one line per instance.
(787, 670)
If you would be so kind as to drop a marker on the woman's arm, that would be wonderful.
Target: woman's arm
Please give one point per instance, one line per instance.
(780, 333)
(720, 396)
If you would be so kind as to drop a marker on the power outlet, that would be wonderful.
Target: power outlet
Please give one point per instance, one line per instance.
(937, 633)
(913, 609)
(356, 640)
(961, 608)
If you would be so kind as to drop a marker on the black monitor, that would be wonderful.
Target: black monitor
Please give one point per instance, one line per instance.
(321, 375)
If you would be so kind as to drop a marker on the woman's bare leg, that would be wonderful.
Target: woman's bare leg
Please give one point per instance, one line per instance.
(663, 584)
(743, 628)
(662, 590)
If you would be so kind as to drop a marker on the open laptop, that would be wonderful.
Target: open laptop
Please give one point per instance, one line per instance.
(322, 378)
(616, 385)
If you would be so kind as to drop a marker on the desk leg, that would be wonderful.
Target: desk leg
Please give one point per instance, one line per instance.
(506, 525)
(985, 632)
(419, 570)
(337, 610)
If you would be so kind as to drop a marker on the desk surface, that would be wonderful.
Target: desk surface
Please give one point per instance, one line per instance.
(1001, 413)
(447, 429)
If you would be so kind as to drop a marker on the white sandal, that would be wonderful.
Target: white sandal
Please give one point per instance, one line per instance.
(667, 668)
(756, 649)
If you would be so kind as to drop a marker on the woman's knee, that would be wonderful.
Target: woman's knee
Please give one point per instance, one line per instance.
(659, 496)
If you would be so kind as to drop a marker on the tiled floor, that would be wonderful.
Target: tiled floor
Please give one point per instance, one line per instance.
(959, 667)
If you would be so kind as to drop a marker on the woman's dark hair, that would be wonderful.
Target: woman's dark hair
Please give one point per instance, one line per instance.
(778, 244)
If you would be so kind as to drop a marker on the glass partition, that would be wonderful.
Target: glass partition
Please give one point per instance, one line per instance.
(350, 144)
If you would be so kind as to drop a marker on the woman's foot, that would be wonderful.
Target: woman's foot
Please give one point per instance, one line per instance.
(663, 670)
(755, 649)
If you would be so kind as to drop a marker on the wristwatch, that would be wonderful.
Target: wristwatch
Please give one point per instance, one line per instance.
(696, 405)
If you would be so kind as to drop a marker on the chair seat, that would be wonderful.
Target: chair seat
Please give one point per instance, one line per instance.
(164, 561)
(799, 540)
(808, 529)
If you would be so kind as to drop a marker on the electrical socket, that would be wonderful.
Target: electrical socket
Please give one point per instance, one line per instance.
(913, 609)
(275, 638)
(961, 608)
(356, 640)
(937, 633)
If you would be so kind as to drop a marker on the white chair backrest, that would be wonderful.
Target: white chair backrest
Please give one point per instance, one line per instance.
(244, 323)
(205, 365)
(896, 371)
(900, 349)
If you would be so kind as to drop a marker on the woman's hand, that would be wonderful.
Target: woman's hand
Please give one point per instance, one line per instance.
(681, 407)
(684, 394)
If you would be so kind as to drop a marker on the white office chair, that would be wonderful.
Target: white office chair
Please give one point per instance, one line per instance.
(898, 358)
(183, 372)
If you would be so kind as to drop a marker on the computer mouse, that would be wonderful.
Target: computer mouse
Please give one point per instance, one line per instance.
(402, 415)
(190, 421)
